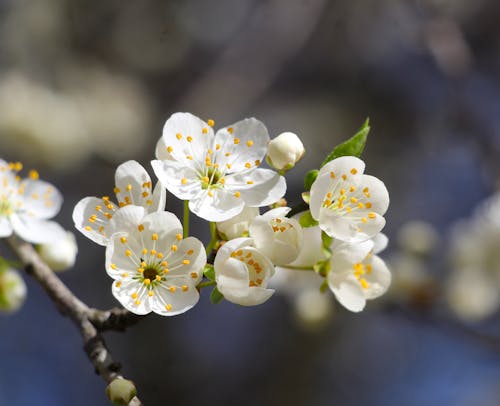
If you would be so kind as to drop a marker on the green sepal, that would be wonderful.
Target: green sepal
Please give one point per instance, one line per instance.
(322, 267)
(216, 296)
(324, 286)
(326, 244)
(306, 220)
(306, 197)
(209, 272)
(310, 178)
(354, 146)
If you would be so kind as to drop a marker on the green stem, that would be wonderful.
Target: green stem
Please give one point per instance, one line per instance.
(299, 268)
(213, 238)
(206, 284)
(185, 224)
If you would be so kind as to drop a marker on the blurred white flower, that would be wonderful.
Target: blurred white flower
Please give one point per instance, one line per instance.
(242, 273)
(27, 204)
(238, 225)
(93, 216)
(418, 237)
(154, 267)
(218, 174)
(284, 151)
(279, 238)
(12, 290)
(348, 204)
(61, 254)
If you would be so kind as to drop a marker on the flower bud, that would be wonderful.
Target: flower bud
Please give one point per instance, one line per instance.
(284, 151)
(238, 225)
(12, 290)
(60, 255)
(121, 391)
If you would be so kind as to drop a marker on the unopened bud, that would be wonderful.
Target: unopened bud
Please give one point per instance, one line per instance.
(60, 255)
(121, 391)
(12, 290)
(284, 151)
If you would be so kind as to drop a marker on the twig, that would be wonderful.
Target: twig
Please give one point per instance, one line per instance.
(90, 322)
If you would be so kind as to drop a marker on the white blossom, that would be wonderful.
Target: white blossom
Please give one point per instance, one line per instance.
(242, 273)
(284, 151)
(92, 215)
(61, 254)
(154, 267)
(218, 174)
(348, 204)
(238, 225)
(279, 238)
(27, 204)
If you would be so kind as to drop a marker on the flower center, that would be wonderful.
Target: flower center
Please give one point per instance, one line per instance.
(211, 179)
(150, 273)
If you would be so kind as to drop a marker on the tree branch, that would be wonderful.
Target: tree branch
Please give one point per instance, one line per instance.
(91, 322)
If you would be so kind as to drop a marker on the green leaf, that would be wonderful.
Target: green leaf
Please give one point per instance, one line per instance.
(310, 178)
(354, 146)
(306, 220)
(209, 272)
(216, 296)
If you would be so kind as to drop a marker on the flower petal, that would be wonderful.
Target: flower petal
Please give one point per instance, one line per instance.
(180, 180)
(245, 141)
(266, 186)
(350, 228)
(347, 291)
(5, 227)
(379, 279)
(187, 136)
(133, 185)
(125, 294)
(166, 302)
(41, 198)
(90, 216)
(222, 205)
(345, 255)
(126, 219)
(35, 230)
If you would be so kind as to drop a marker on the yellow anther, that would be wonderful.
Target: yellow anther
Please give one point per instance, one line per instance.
(344, 177)
(352, 189)
(189, 138)
(361, 205)
(172, 289)
(248, 165)
(249, 182)
(354, 171)
(222, 181)
(147, 281)
(149, 202)
(368, 205)
(140, 227)
(184, 181)
(101, 230)
(122, 204)
(252, 284)
(145, 194)
(123, 240)
(239, 253)
(34, 174)
(109, 206)
(184, 288)
(372, 215)
(166, 270)
(143, 263)
(237, 194)
(236, 141)
(249, 143)
(227, 154)
(211, 122)
(134, 295)
(204, 130)
(364, 283)
(186, 262)
(144, 251)
(353, 200)
(209, 152)
(174, 247)
(164, 264)
(124, 274)
(98, 208)
(190, 252)
(140, 270)
(128, 187)
(116, 190)
(194, 275)
(348, 209)
(88, 228)
(128, 253)
(154, 237)
(205, 179)
(230, 130)
(137, 302)
(159, 255)
(158, 278)
(332, 175)
(151, 293)
(342, 191)
(169, 149)
(178, 237)
(364, 220)
(118, 284)
(168, 307)
(109, 216)
(217, 147)
(228, 166)
(257, 162)
(210, 193)
(152, 252)
(178, 136)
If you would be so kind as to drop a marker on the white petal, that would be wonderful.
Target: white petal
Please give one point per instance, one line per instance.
(35, 230)
(124, 295)
(159, 198)
(222, 205)
(84, 210)
(41, 198)
(226, 250)
(238, 225)
(180, 180)
(117, 261)
(380, 242)
(267, 186)
(345, 255)
(379, 279)
(197, 259)
(256, 296)
(5, 227)
(343, 166)
(134, 184)
(233, 279)
(165, 224)
(126, 219)
(247, 144)
(350, 228)
(176, 131)
(167, 303)
(379, 196)
(312, 250)
(348, 292)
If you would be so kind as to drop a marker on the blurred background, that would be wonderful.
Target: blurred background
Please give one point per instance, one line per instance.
(85, 86)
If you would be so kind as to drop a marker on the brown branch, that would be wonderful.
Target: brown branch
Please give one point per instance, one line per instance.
(90, 322)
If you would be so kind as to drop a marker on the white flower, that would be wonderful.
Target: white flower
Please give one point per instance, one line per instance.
(348, 204)
(219, 174)
(357, 274)
(12, 290)
(61, 254)
(418, 237)
(133, 187)
(26, 204)
(154, 268)
(284, 151)
(279, 238)
(238, 225)
(242, 273)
